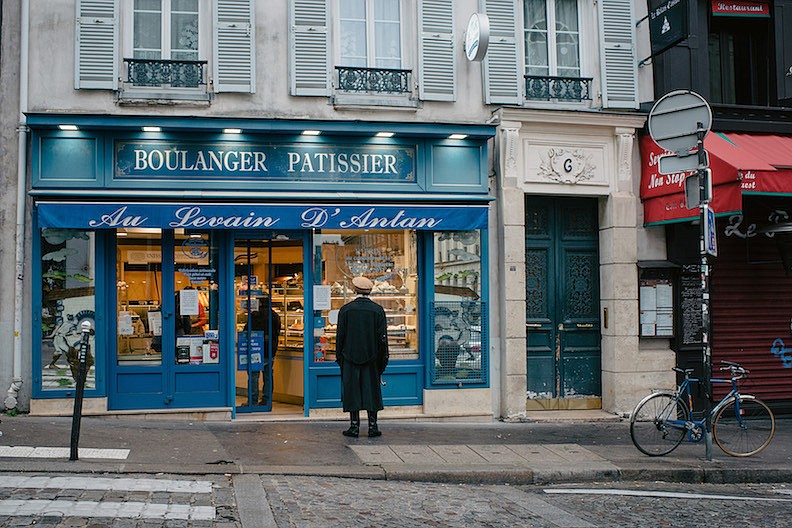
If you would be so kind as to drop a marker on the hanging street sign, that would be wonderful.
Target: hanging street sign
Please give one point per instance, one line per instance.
(477, 37)
(673, 164)
(674, 119)
(668, 24)
(710, 240)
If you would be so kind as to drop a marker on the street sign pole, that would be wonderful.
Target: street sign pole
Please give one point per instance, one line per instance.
(705, 301)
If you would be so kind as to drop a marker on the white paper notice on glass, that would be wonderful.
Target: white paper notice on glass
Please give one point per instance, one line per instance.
(125, 326)
(188, 302)
(155, 322)
(321, 297)
(665, 296)
(648, 298)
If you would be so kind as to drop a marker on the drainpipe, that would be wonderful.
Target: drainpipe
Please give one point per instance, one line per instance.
(12, 400)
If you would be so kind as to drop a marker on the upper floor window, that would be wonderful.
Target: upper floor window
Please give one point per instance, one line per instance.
(740, 67)
(166, 49)
(370, 33)
(373, 52)
(165, 29)
(552, 38)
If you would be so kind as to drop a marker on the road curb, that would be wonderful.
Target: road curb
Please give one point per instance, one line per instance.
(489, 474)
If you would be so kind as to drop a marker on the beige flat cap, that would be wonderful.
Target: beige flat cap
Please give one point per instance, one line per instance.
(362, 285)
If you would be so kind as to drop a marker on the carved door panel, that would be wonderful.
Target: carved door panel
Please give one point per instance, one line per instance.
(562, 298)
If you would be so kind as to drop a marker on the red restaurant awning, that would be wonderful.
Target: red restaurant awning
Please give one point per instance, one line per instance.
(740, 163)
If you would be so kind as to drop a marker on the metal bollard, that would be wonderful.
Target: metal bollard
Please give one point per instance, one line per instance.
(85, 348)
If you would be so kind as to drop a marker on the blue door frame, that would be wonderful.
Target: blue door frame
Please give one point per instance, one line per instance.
(168, 385)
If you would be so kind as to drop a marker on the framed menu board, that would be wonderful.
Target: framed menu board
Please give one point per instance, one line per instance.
(656, 303)
(689, 323)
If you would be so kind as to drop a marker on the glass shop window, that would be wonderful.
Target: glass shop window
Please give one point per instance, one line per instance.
(389, 259)
(139, 296)
(68, 299)
(197, 304)
(458, 315)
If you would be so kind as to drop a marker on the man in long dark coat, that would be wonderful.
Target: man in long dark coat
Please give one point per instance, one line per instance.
(362, 354)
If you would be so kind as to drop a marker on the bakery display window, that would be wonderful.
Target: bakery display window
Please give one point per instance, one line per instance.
(389, 259)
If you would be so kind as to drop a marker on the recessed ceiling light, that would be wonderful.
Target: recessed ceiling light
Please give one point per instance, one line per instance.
(152, 129)
(195, 235)
(68, 127)
(311, 132)
(384, 134)
(457, 136)
(232, 131)
(120, 233)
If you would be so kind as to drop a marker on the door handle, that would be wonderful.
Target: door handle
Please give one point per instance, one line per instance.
(533, 325)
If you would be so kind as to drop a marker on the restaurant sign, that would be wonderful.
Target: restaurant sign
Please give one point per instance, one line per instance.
(146, 159)
(203, 216)
(740, 8)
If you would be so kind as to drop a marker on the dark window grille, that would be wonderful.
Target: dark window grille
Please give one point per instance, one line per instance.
(380, 80)
(460, 351)
(166, 73)
(566, 88)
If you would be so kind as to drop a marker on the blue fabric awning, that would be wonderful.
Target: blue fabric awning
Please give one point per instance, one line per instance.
(117, 215)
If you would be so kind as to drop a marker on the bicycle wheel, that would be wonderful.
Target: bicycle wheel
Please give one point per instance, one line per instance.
(649, 428)
(743, 428)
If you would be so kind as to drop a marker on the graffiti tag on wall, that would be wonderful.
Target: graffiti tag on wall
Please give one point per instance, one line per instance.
(780, 351)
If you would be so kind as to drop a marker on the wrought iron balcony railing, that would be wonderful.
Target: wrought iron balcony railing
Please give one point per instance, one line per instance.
(566, 88)
(380, 80)
(166, 73)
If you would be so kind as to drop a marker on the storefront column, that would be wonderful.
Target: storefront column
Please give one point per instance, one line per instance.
(624, 367)
(510, 285)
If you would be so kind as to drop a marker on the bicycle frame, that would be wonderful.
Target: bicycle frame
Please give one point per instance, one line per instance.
(696, 428)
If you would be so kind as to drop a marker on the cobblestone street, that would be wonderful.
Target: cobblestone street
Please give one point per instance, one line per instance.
(313, 501)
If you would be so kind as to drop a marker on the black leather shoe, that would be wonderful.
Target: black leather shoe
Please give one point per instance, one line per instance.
(353, 431)
(373, 429)
(354, 425)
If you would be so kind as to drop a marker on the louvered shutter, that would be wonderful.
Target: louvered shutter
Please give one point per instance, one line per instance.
(783, 43)
(617, 45)
(234, 45)
(96, 46)
(437, 66)
(503, 73)
(308, 47)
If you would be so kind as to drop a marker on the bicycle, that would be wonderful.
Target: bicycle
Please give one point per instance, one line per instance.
(742, 425)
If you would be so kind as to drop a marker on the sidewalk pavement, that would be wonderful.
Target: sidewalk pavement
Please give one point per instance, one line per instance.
(545, 449)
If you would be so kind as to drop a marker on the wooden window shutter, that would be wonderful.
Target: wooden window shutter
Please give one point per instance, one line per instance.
(503, 73)
(308, 47)
(96, 45)
(617, 46)
(234, 46)
(437, 65)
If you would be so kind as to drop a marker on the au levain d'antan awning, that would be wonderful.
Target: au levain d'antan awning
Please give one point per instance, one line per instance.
(742, 164)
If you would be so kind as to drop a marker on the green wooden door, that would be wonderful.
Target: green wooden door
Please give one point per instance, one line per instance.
(562, 298)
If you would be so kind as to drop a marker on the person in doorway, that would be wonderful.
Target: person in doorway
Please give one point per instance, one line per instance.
(262, 320)
(362, 354)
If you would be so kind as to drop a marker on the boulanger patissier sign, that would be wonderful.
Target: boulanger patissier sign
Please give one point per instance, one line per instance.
(146, 159)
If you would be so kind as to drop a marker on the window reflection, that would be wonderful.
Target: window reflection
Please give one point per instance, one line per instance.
(458, 314)
(68, 300)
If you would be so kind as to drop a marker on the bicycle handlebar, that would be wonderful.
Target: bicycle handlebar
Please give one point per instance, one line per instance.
(737, 370)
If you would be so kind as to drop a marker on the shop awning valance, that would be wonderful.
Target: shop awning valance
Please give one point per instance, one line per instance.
(201, 216)
(742, 164)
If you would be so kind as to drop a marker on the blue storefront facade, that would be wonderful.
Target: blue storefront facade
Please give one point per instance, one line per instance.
(170, 235)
